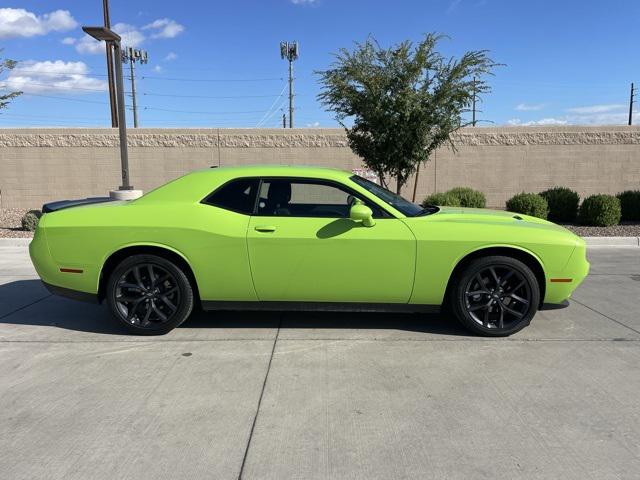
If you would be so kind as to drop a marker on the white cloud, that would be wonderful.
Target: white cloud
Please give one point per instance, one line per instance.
(543, 121)
(57, 76)
(304, 2)
(527, 107)
(131, 37)
(591, 109)
(158, 69)
(313, 125)
(164, 28)
(69, 41)
(18, 22)
(170, 57)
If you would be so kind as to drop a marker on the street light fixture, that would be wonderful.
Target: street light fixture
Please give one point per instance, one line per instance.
(126, 191)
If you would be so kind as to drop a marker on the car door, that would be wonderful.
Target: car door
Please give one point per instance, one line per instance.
(303, 246)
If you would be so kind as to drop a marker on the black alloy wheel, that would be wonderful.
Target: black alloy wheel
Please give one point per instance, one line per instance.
(149, 294)
(496, 296)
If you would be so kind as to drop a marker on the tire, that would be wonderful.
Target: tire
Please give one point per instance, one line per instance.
(149, 294)
(495, 296)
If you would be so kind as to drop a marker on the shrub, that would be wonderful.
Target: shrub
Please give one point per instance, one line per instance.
(469, 197)
(563, 204)
(528, 204)
(600, 211)
(457, 197)
(630, 204)
(30, 220)
(442, 199)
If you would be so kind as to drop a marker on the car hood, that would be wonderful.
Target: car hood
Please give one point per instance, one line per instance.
(492, 217)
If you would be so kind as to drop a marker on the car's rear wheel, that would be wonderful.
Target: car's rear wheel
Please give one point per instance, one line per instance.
(149, 294)
(495, 296)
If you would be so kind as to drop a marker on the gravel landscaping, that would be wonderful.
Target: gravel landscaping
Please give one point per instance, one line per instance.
(10, 227)
(10, 223)
(626, 229)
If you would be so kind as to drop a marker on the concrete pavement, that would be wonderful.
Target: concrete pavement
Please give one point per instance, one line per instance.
(314, 395)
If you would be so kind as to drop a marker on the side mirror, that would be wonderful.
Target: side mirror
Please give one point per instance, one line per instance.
(361, 213)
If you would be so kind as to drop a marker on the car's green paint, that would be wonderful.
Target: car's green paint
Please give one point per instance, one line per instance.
(236, 257)
(361, 213)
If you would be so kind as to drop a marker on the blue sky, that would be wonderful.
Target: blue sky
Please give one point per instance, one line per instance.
(217, 63)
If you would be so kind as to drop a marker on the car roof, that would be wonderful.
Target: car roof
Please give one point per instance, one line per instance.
(239, 171)
(199, 183)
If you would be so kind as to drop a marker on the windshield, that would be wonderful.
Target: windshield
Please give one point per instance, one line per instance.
(396, 201)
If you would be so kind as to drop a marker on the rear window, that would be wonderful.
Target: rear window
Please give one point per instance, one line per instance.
(237, 195)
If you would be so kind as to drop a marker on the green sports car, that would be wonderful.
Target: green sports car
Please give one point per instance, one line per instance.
(278, 237)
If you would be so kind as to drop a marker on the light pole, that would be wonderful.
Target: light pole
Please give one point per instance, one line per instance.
(112, 92)
(126, 191)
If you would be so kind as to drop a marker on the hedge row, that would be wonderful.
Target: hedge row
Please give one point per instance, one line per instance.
(557, 204)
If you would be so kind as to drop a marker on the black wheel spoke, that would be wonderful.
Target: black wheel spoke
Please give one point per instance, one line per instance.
(501, 319)
(158, 311)
(475, 293)
(136, 275)
(145, 320)
(152, 277)
(512, 311)
(507, 276)
(131, 286)
(518, 287)
(495, 276)
(168, 303)
(161, 280)
(126, 299)
(518, 298)
(133, 308)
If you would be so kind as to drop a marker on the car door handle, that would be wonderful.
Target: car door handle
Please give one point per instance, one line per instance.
(265, 228)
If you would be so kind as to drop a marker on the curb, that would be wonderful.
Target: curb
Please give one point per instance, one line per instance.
(612, 241)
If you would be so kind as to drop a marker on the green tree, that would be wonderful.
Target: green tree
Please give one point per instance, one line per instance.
(5, 65)
(404, 102)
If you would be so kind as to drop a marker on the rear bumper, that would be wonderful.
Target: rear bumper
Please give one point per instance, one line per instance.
(72, 294)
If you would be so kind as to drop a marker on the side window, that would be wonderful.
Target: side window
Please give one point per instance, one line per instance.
(237, 196)
(306, 198)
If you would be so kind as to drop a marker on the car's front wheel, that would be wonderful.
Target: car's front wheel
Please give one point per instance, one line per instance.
(495, 296)
(149, 294)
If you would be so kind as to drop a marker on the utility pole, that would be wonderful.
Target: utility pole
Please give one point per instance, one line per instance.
(473, 119)
(631, 105)
(132, 56)
(284, 120)
(290, 52)
(111, 80)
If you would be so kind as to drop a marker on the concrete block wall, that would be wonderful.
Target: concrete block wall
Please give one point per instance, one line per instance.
(40, 165)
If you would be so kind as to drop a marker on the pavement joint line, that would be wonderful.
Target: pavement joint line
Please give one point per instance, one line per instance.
(255, 417)
(24, 306)
(479, 340)
(607, 316)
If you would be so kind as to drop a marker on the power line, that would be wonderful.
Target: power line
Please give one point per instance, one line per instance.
(272, 105)
(231, 80)
(203, 113)
(208, 96)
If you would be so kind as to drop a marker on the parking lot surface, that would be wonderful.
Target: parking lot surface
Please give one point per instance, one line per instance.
(321, 395)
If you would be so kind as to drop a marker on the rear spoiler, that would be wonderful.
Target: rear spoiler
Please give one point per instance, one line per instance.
(62, 204)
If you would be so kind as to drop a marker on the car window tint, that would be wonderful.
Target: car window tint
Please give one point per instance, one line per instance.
(306, 198)
(237, 195)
